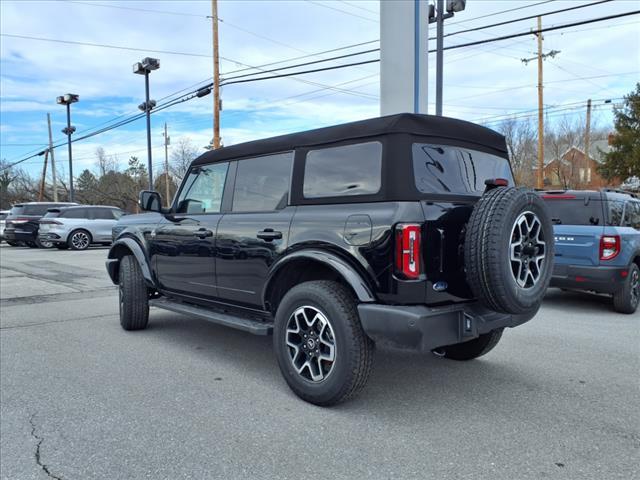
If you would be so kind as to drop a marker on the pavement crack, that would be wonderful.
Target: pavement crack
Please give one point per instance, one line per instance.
(40, 439)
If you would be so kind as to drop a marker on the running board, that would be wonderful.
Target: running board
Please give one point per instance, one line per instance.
(252, 326)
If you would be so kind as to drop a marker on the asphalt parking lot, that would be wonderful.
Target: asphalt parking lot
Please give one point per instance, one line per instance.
(83, 399)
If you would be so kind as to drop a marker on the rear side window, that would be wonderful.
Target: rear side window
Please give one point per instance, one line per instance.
(101, 214)
(448, 169)
(616, 210)
(262, 184)
(573, 211)
(632, 215)
(343, 171)
(76, 213)
(52, 214)
(117, 213)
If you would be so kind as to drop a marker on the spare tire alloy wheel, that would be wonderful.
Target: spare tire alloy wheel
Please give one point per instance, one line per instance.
(80, 240)
(311, 343)
(509, 250)
(528, 250)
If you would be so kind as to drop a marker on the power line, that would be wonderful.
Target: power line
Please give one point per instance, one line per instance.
(521, 19)
(343, 11)
(500, 12)
(182, 14)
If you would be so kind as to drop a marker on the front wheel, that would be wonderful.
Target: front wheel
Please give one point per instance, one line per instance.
(474, 348)
(43, 243)
(133, 296)
(322, 350)
(627, 299)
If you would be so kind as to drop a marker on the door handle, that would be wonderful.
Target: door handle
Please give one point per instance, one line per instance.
(269, 235)
(203, 233)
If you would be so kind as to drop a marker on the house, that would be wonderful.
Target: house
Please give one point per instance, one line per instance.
(574, 170)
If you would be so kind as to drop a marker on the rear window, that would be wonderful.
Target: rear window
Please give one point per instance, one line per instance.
(448, 169)
(33, 210)
(573, 211)
(343, 171)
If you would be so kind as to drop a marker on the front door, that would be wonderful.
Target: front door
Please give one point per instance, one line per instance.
(255, 233)
(184, 243)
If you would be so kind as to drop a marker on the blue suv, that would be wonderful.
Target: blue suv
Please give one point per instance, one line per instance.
(597, 236)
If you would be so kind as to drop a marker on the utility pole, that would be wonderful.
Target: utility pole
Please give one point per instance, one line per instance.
(216, 75)
(53, 162)
(44, 176)
(166, 163)
(540, 179)
(587, 139)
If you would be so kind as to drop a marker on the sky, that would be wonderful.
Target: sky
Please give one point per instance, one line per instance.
(482, 83)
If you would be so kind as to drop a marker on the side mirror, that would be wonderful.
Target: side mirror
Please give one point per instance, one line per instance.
(149, 201)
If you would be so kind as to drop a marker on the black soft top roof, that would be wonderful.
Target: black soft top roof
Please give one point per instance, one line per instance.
(418, 124)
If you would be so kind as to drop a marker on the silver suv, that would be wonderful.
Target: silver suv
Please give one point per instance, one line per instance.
(78, 227)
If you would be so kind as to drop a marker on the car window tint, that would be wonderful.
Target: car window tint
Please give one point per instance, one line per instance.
(52, 214)
(262, 184)
(38, 209)
(615, 210)
(202, 191)
(573, 211)
(343, 171)
(17, 210)
(632, 215)
(3, 216)
(102, 213)
(116, 213)
(449, 169)
(76, 213)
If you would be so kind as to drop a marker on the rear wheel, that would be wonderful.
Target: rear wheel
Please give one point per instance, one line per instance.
(133, 296)
(474, 348)
(323, 353)
(43, 243)
(79, 240)
(627, 299)
(31, 244)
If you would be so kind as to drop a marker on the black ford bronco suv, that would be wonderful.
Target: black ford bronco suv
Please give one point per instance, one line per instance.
(405, 230)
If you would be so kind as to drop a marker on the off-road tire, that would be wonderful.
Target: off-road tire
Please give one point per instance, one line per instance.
(81, 235)
(354, 351)
(474, 348)
(625, 301)
(132, 295)
(487, 250)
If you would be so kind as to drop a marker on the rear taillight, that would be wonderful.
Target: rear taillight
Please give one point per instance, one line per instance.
(609, 247)
(49, 222)
(408, 250)
(18, 221)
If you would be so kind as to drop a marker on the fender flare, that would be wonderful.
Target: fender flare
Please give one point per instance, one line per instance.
(337, 264)
(115, 255)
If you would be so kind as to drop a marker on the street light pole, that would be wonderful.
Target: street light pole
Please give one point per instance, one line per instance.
(144, 68)
(69, 132)
(67, 100)
(148, 112)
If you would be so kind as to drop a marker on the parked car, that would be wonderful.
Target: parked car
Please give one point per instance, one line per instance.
(3, 216)
(22, 223)
(78, 227)
(597, 235)
(404, 229)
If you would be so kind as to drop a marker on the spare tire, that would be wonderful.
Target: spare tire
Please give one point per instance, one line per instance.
(509, 250)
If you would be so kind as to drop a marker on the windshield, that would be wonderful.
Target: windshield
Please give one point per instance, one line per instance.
(449, 169)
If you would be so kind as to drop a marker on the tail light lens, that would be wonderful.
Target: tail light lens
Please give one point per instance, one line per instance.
(18, 221)
(609, 246)
(50, 222)
(408, 244)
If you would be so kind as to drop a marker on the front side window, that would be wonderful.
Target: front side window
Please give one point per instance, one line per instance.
(203, 188)
(449, 169)
(343, 171)
(102, 214)
(262, 183)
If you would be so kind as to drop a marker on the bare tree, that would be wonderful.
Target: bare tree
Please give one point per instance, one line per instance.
(521, 143)
(183, 154)
(105, 162)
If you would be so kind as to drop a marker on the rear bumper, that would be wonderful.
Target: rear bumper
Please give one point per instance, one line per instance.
(424, 328)
(598, 279)
(15, 235)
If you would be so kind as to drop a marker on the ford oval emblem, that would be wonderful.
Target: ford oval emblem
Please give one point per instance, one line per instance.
(440, 286)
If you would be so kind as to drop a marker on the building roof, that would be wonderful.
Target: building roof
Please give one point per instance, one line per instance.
(429, 125)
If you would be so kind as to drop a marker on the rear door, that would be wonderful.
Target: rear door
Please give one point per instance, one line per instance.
(255, 232)
(579, 222)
